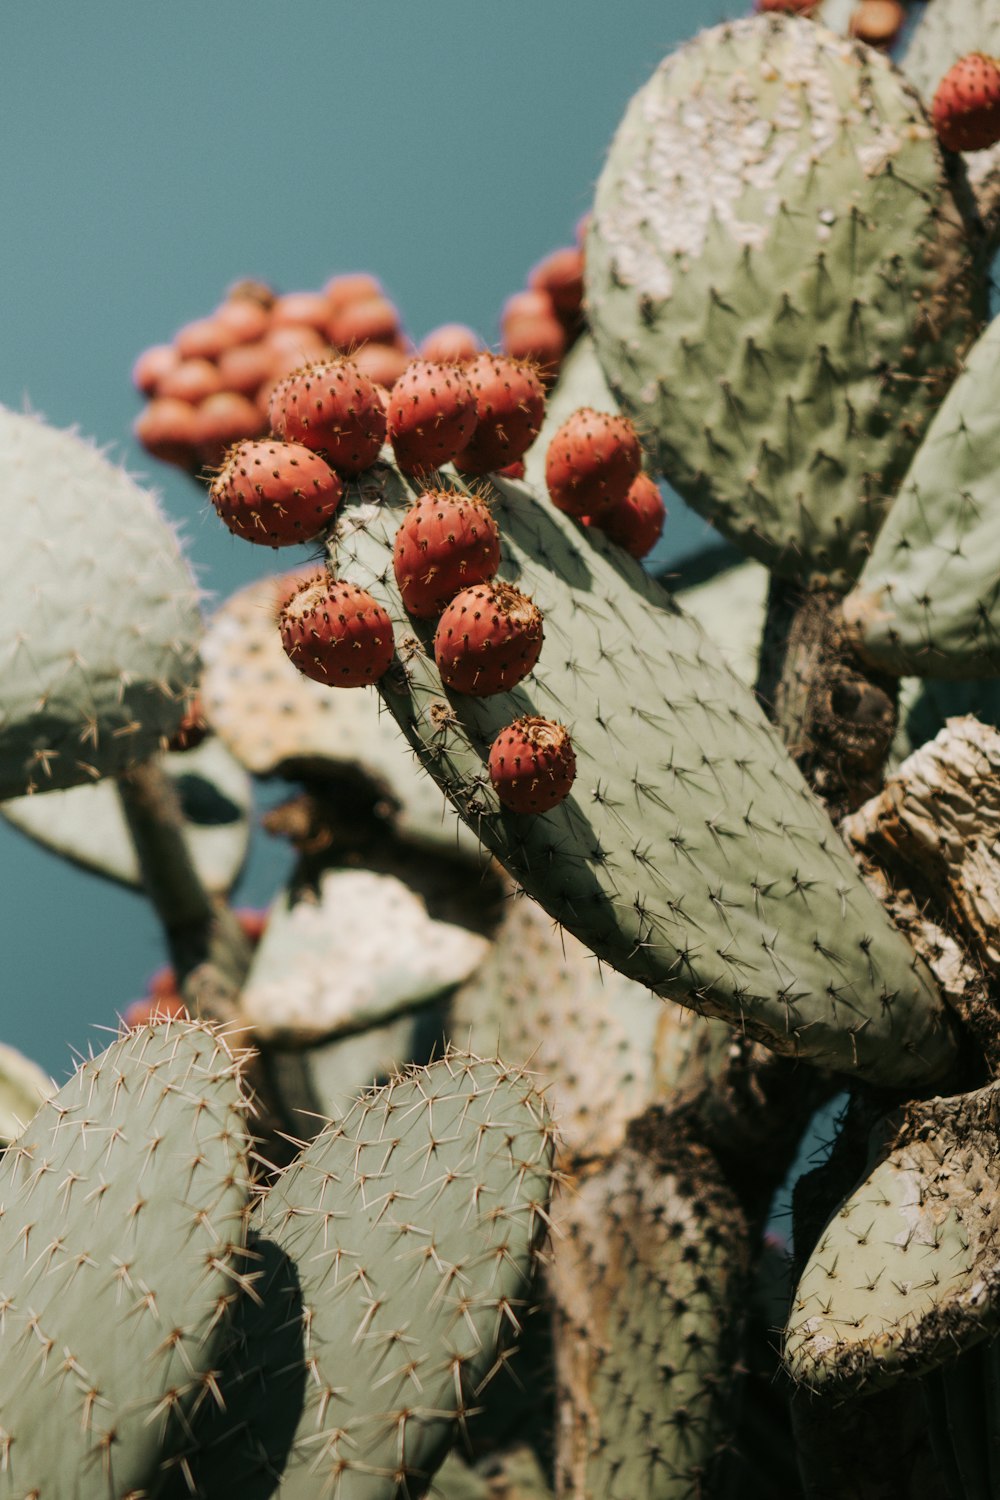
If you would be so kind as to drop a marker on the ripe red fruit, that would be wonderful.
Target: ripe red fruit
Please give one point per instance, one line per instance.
(298, 309)
(355, 286)
(222, 420)
(636, 522)
(446, 542)
(246, 318)
(374, 319)
(450, 344)
(168, 429)
(151, 366)
(205, 338)
(275, 493)
(966, 108)
(432, 414)
(488, 639)
(591, 462)
(192, 380)
(382, 363)
(532, 765)
(331, 406)
(510, 406)
(877, 22)
(512, 471)
(246, 367)
(540, 339)
(337, 634)
(561, 276)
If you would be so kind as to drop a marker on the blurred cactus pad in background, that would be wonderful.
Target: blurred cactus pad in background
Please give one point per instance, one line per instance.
(612, 867)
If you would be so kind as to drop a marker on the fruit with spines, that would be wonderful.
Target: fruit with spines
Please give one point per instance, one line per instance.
(275, 494)
(635, 522)
(488, 639)
(337, 634)
(448, 542)
(332, 406)
(510, 407)
(432, 415)
(966, 105)
(591, 462)
(223, 420)
(532, 765)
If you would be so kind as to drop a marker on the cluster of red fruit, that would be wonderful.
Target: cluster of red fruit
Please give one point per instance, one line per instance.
(211, 386)
(966, 107)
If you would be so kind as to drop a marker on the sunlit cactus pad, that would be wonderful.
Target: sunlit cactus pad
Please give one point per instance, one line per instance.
(780, 284)
(907, 1271)
(690, 854)
(121, 1234)
(99, 624)
(928, 598)
(397, 1256)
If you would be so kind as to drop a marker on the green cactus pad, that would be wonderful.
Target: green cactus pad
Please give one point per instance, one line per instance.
(731, 608)
(928, 601)
(120, 1255)
(270, 715)
(99, 623)
(396, 1254)
(85, 824)
(647, 1273)
(906, 1273)
(690, 854)
(351, 955)
(24, 1088)
(780, 285)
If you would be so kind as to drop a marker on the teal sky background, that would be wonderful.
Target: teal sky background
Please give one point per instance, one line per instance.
(153, 155)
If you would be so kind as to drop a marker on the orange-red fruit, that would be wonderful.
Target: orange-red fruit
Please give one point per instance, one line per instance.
(432, 414)
(275, 494)
(205, 338)
(636, 522)
(374, 320)
(541, 339)
(222, 420)
(246, 367)
(591, 462)
(877, 22)
(253, 921)
(532, 765)
(450, 344)
(330, 405)
(382, 363)
(510, 406)
(561, 276)
(512, 471)
(151, 366)
(966, 108)
(355, 286)
(168, 429)
(337, 634)
(446, 542)
(297, 309)
(488, 639)
(245, 317)
(192, 380)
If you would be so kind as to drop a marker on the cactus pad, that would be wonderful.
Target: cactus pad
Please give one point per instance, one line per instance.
(780, 285)
(23, 1090)
(906, 1273)
(120, 1255)
(99, 623)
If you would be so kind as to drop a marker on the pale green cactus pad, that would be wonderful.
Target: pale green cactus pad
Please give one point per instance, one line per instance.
(397, 1254)
(99, 622)
(269, 714)
(690, 853)
(120, 1258)
(907, 1271)
(780, 285)
(928, 599)
(85, 824)
(514, 1474)
(24, 1088)
(730, 608)
(648, 1264)
(358, 951)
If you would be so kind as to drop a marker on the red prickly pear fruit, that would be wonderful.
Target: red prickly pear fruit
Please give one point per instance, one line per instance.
(296, 341)
(561, 276)
(192, 380)
(252, 920)
(512, 471)
(877, 22)
(541, 340)
(432, 414)
(382, 363)
(375, 321)
(446, 542)
(591, 462)
(355, 286)
(337, 634)
(636, 522)
(168, 429)
(246, 319)
(301, 309)
(151, 366)
(151, 1012)
(205, 338)
(450, 344)
(246, 367)
(191, 731)
(331, 406)
(275, 494)
(966, 108)
(536, 303)
(488, 639)
(532, 765)
(510, 407)
(222, 420)
(250, 290)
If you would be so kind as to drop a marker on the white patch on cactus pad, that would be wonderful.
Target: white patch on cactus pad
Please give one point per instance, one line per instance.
(365, 950)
